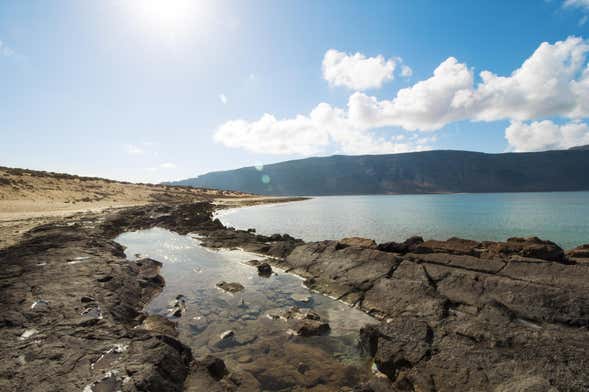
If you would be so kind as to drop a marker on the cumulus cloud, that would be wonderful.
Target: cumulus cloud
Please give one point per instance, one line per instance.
(546, 135)
(357, 71)
(307, 135)
(552, 82)
(299, 135)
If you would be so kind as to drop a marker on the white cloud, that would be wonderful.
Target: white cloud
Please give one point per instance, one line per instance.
(406, 71)
(577, 3)
(307, 135)
(168, 165)
(552, 82)
(299, 135)
(5, 50)
(223, 98)
(134, 150)
(424, 106)
(546, 135)
(356, 71)
(583, 20)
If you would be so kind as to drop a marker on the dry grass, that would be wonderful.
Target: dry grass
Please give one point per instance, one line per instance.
(29, 192)
(29, 198)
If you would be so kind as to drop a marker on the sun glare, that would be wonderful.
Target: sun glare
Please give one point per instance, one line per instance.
(168, 18)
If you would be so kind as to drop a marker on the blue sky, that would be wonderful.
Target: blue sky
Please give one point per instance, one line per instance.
(156, 90)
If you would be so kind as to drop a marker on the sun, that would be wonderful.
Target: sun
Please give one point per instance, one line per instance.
(167, 18)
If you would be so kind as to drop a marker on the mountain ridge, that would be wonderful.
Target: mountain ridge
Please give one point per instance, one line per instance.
(437, 171)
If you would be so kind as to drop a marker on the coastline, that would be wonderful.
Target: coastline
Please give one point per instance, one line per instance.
(419, 289)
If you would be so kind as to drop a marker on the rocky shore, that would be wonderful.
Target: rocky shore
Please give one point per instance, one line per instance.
(456, 315)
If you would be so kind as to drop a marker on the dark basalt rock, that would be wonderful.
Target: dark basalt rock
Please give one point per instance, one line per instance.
(462, 304)
(81, 339)
(457, 315)
(580, 254)
(406, 246)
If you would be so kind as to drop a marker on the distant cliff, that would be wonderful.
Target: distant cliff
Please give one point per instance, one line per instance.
(419, 172)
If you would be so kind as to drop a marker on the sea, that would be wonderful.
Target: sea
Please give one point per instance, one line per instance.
(562, 217)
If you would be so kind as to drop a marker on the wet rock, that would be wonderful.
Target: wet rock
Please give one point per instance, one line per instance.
(225, 340)
(311, 327)
(304, 322)
(159, 324)
(177, 306)
(264, 269)
(230, 287)
(302, 298)
(198, 324)
(214, 366)
(212, 375)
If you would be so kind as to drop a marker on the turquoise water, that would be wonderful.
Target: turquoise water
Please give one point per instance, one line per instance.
(562, 217)
(262, 345)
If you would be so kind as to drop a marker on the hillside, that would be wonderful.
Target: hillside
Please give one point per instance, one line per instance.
(29, 191)
(420, 172)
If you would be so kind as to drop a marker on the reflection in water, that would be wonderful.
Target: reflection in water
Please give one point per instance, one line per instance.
(257, 343)
(557, 216)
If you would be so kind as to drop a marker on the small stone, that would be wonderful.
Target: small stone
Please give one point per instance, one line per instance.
(40, 305)
(226, 339)
(28, 333)
(231, 287)
(304, 298)
(264, 269)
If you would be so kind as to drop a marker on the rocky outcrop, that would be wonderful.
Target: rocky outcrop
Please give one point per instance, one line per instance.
(70, 304)
(463, 315)
(456, 315)
(580, 254)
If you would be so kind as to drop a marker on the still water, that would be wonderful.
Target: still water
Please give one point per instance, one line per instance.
(263, 346)
(562, 217)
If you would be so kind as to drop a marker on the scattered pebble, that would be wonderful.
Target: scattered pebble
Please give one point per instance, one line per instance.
(40, 305)
(28, 333)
